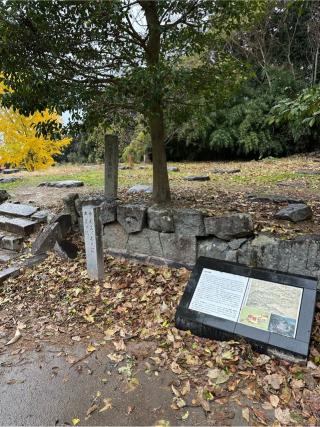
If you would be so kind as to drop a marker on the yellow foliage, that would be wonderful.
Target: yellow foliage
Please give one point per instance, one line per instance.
(19, 145)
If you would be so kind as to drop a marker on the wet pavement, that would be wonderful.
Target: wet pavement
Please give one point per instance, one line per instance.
(49, 387)
(54, 385)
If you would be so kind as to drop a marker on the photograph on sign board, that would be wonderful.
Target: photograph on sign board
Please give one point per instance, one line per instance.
(271, 306)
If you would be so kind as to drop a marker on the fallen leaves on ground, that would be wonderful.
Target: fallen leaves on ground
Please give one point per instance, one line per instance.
(107, 404)
(133, 315)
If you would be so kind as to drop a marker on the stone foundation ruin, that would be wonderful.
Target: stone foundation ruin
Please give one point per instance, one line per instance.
(177, 237)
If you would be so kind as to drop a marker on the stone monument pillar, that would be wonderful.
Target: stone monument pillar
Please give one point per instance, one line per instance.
(111, 159)
(92, 227)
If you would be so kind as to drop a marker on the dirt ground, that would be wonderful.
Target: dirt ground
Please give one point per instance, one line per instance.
(224, 193)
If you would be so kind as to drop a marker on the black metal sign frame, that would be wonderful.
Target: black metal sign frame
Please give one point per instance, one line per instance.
(213, 327)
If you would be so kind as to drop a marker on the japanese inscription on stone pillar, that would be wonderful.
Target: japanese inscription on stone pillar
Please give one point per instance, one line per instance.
(93, 241)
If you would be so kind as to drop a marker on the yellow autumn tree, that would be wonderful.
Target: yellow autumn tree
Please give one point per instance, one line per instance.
(19, 144)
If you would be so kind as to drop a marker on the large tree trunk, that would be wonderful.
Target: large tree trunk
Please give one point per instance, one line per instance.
(161, 189)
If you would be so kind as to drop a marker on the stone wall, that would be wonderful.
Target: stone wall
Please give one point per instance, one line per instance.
(180, 236)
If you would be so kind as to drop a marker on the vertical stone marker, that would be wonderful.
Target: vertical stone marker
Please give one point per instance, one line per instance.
(93, 241)
(111, 159)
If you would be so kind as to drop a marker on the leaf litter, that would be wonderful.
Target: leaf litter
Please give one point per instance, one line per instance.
(136, 321)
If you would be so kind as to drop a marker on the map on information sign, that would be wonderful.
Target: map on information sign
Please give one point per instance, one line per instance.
(271, 306)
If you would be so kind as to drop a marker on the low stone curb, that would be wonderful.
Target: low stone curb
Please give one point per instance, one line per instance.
(16, 270)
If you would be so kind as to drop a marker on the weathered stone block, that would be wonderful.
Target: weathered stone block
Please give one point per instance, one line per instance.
(182, 249)
(284, 254)
(160, 219)
(9, 171)
(62, 184)
(9, 272)
(313, 262)
(197, 178)
(88, 200)
(6, 255)
(20, 226)
(132, 217)
(41, 216)
(108, 211)
(70, 208)
(273, 198)
(145, 242)
(66, 250)
(47, 238)
(212, 248)
(114, 237)
(64, 219)
(299, 258)
(229, 227)
(295, 213)
(17, 209)
(12, 243)
(236, 243)
(8, 180)
(188, 222)
(4, 195)
(225, 171)
(140, 188)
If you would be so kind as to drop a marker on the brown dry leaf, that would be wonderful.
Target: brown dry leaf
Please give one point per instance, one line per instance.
(107, 405)
(130, 409)
(185, 416)
(285, 395)
(185, 389)
(89, 309)
(177, 403)
(283, 416)
(201, 400)
(119, 345)
(274, 400)
(71, 359)
(175, 391)
(213, 373)
(267, 406)
(91, 348)
(21, 325)
(297, 383)
(222, 377)
(92, 408)
(233, 385)
(115, 357)
(192, 360)
(246, 414)
(275, 380)
(162, 423)
(133, 383)
(89, 318)
(262, 360)
(205, 405)
(15, 338)
(175, 368)
(109, 333)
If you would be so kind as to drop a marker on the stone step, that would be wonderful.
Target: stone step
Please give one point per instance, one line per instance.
(17, 268)
(17, 209)
(12, 242)
(20, 226)
(6, 255)
(8, 272)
